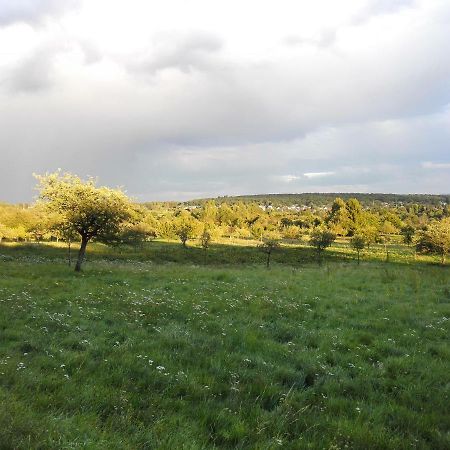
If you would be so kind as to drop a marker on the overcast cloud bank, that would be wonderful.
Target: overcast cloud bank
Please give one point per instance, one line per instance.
(191, 99)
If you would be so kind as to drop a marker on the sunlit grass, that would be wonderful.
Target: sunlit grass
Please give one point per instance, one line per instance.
(133, 354)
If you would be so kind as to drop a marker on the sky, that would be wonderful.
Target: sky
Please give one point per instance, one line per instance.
(174, 100)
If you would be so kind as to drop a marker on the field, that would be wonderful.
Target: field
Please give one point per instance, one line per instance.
(166, 348)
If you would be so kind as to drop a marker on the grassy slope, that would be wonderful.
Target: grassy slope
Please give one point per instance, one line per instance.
(225, 252)
(134, 355)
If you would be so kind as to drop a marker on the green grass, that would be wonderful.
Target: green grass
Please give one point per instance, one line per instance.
(225, 252)
(131, 354)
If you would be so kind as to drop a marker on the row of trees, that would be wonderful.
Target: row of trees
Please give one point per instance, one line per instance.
(72, 209)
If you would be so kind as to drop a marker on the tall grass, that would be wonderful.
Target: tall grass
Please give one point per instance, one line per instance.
(132, 354)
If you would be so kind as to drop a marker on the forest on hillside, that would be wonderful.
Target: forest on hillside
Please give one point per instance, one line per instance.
(326, 199)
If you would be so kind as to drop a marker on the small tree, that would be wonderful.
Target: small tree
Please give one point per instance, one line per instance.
(186, 227)
(268, 246)
(40, 224)
(184, 232)
(93, 212)
(291, 232)
(19, 233)
(436, 238)
(205, 240)
(408, 232)
(132, 235)
(409, 235)
(321, 239)
(257, 231)
(369, 233)
(5, 232)
(358, 243)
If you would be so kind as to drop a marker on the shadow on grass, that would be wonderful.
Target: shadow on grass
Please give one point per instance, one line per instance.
(219, 254)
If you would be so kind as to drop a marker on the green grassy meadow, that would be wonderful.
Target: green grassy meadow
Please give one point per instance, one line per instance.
(165, 348)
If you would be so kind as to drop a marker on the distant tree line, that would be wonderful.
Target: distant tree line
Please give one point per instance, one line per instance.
(325, 199)
(71, 209)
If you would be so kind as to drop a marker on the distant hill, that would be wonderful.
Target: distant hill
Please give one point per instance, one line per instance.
(324, 199)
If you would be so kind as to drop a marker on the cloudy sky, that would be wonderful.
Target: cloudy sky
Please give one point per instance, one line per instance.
(180, 99)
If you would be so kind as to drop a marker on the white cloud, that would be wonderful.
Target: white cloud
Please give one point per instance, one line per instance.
(288, 178)
(434, 165)
(318, 174)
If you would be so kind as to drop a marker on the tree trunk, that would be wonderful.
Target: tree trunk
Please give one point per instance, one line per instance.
(358, 257)
(319, 257)
(81, 253)
(268, 259)
(70, 253)
(443, 258)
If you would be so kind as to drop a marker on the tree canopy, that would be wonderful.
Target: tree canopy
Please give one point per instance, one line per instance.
(436, 238)
(91, 211)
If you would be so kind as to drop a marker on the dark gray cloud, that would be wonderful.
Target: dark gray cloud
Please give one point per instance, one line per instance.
(34, 73)
(37, 71)
(33, 11)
